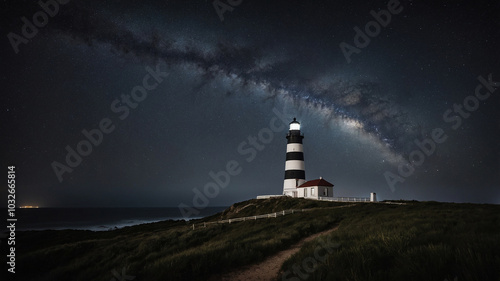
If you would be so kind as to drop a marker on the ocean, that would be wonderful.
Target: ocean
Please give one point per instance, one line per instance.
(98, 219)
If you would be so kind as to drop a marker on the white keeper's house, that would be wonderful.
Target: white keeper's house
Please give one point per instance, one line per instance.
(314, 189)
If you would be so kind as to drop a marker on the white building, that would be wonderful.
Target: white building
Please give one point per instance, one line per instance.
(315, 189)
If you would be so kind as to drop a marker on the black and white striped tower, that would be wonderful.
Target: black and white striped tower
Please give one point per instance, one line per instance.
(295, 174)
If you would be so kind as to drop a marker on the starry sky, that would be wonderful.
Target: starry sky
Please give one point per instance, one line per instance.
(224, 78)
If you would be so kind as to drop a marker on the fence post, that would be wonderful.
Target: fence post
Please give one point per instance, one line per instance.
(283, 212)
(193, 226)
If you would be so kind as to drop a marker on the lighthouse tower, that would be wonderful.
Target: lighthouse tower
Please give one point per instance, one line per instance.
(295, 174)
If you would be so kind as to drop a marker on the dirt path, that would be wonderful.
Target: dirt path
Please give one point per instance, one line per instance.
(269, 268)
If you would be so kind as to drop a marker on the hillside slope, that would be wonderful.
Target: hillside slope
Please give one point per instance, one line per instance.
(416, 241)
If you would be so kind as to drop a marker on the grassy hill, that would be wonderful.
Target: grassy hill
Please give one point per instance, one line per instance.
(416, 241)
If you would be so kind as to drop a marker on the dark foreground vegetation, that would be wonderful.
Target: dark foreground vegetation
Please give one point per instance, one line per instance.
(416, 241)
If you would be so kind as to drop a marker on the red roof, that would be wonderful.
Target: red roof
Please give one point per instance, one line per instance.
(317, 182)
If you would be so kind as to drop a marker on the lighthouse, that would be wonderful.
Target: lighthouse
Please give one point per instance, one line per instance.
(295, 174)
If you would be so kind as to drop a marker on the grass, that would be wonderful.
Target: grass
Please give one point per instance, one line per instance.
(168, 250)
(417, 241)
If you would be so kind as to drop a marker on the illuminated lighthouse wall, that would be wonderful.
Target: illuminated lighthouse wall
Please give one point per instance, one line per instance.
(295, 174)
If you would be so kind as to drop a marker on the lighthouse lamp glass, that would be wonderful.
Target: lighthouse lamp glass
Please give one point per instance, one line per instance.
(294, 126)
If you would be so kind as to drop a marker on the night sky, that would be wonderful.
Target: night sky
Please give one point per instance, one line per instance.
(215, 82)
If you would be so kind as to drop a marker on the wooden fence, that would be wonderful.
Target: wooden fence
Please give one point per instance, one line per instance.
(265, 216)
(345, 199)
(287, 212)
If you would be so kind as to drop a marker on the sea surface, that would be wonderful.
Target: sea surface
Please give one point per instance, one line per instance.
(98, 219)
